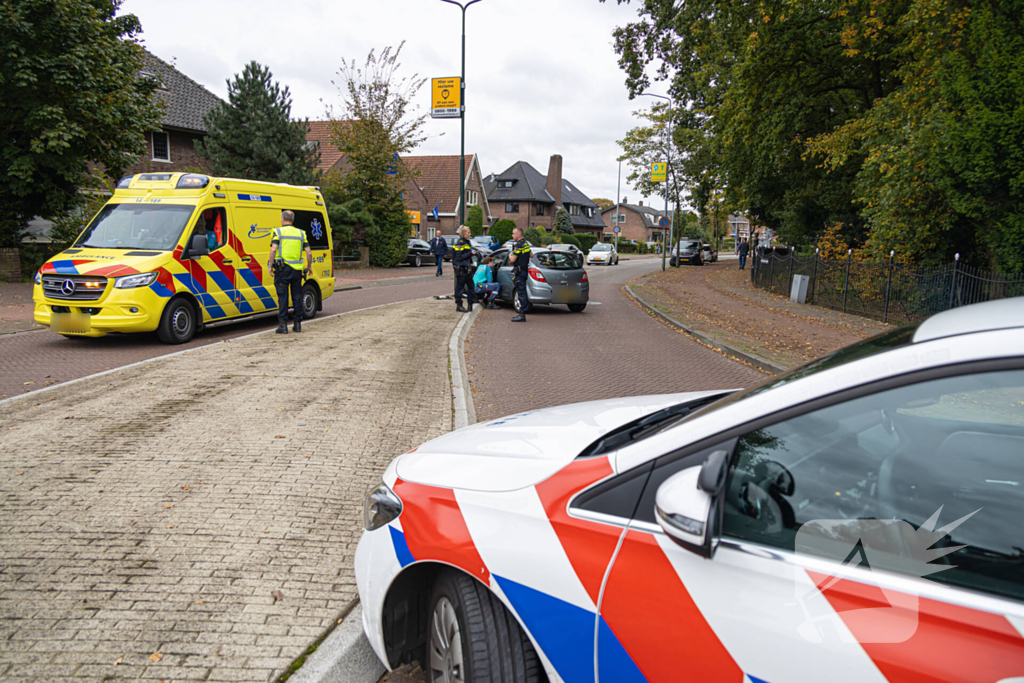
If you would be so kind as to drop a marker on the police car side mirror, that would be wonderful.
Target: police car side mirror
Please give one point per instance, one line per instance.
(686, 501)
(200, 246)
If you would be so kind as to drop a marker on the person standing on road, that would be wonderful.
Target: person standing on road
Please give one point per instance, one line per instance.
(519, 257)
(285, 262)
(438, 247)
(462, 263)
(744, 249)
(484, 286)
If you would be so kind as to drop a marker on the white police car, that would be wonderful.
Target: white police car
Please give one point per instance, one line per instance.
(858, 519)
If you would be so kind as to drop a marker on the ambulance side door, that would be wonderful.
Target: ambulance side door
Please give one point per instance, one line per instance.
(252, 231)
(211, 279)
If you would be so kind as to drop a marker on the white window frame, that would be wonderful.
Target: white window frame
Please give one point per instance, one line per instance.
(152, 146)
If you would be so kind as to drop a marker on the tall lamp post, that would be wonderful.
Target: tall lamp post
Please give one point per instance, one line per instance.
(668, 169)
(462, 106)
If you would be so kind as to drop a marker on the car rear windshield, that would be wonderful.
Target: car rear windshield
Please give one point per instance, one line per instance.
(558, 260)
(137, 226)
(601, 247)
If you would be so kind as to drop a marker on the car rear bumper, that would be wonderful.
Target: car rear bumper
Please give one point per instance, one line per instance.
(548, 293)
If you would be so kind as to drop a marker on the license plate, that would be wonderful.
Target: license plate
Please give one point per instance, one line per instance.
(68, 323)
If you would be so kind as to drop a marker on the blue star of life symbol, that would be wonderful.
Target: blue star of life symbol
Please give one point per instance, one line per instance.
(317, 228)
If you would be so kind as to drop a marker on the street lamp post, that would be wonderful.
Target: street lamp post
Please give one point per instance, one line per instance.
(462, 114)
(668, 169)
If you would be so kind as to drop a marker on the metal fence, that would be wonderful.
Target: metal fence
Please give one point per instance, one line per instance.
(885, 291)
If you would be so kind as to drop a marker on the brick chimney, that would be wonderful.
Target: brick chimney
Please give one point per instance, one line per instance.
(554, 185)
(641, 202)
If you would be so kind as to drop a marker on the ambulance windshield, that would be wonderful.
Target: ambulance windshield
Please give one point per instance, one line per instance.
(136, 226)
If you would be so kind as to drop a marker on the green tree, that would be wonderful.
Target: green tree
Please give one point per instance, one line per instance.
(252, 136)
(475, 220)
(502, 230)
(603, 203)
(375, 131)
(563, 222)
(537, 236)
(70, 96)
(587, 241)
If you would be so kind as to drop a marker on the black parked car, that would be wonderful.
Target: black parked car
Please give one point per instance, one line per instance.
(688, 251)
(419, 253)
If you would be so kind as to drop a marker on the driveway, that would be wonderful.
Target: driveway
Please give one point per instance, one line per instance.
(195, 518)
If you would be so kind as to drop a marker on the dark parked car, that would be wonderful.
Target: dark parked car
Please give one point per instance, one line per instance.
(419, 253)
(688, 251)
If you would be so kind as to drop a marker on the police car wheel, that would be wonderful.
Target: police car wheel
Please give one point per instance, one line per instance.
(308, 302)
(473, 638)
(178, 322)
(577, 308)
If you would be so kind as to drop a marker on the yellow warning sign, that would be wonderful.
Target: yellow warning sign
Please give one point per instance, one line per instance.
(659, 172)
(446, 98)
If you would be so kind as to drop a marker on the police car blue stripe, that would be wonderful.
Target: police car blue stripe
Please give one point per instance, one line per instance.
(614, 663)
(564, 631)
(402, 551)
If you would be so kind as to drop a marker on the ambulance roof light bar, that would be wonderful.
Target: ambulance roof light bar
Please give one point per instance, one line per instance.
(192, 180)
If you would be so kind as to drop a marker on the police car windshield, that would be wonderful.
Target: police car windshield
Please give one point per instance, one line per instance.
(137, 226)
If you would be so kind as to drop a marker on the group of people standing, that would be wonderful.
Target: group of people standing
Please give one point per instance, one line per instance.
(478, 283)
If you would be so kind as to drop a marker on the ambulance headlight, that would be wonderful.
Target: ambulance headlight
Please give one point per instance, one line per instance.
(132, 281)
(380, 507)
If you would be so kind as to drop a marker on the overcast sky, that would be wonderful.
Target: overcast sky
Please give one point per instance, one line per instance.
(541, 75)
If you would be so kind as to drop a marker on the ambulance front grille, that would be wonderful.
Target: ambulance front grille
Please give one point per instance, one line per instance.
(74, 287)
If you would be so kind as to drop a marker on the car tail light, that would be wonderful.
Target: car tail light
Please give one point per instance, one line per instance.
(537, 275)
(585, 278)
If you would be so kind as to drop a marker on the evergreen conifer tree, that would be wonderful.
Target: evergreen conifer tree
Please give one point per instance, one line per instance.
(253, 136)
(475, 220)
(563, 222)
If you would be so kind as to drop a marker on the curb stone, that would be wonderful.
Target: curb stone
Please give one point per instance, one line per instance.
(756, 361)
(345, 656)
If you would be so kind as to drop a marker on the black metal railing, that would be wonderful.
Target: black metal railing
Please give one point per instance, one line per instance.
(888, 291)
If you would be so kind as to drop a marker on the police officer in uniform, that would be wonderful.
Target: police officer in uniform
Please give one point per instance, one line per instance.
(462, 262)
(286, 249)
(519, 257)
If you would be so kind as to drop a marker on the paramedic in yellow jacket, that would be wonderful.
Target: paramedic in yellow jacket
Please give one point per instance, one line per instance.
(286, 250)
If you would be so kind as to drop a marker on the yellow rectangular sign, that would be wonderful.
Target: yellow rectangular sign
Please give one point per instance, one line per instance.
(446, 98)
(659, 172)
(414, 217)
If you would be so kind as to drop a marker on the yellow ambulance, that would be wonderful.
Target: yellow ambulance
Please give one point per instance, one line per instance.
(173, 252)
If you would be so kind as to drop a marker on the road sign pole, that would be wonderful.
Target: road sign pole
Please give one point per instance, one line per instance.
(618, 206)
(462, 116)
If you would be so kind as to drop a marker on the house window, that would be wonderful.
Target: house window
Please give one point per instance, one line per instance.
(511, 207)
(506, 184)
(574, 209)
(161, 147)
(472, 197)
(617, 218)
(540, 209)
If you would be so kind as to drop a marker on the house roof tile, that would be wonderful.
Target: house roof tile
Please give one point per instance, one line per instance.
(320, 132)
(438, 176)
(185, 101)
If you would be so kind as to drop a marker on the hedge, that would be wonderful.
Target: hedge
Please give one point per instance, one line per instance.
(587, 241)
(502, 230)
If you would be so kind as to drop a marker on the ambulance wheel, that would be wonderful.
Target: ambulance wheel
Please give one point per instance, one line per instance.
(178, 322)
(473, 638)
(309, 301)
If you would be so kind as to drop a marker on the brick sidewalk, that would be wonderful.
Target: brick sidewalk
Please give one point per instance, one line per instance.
(195, 518)
(720, 302)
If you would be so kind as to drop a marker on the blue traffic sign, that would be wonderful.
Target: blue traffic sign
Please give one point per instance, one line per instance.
(618, 229)
(664, 222)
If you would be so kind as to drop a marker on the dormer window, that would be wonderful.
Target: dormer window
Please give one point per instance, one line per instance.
(506, 184)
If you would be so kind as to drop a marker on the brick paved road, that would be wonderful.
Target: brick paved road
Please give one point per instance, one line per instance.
(36, 359)
(152, 514)
(609, 350)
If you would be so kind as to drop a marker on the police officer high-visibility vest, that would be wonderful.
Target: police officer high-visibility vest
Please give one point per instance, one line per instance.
(291, 242)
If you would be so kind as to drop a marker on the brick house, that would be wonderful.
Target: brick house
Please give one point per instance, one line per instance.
(173, 148)
(433, 182)
(521, 194)
(638, 222)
